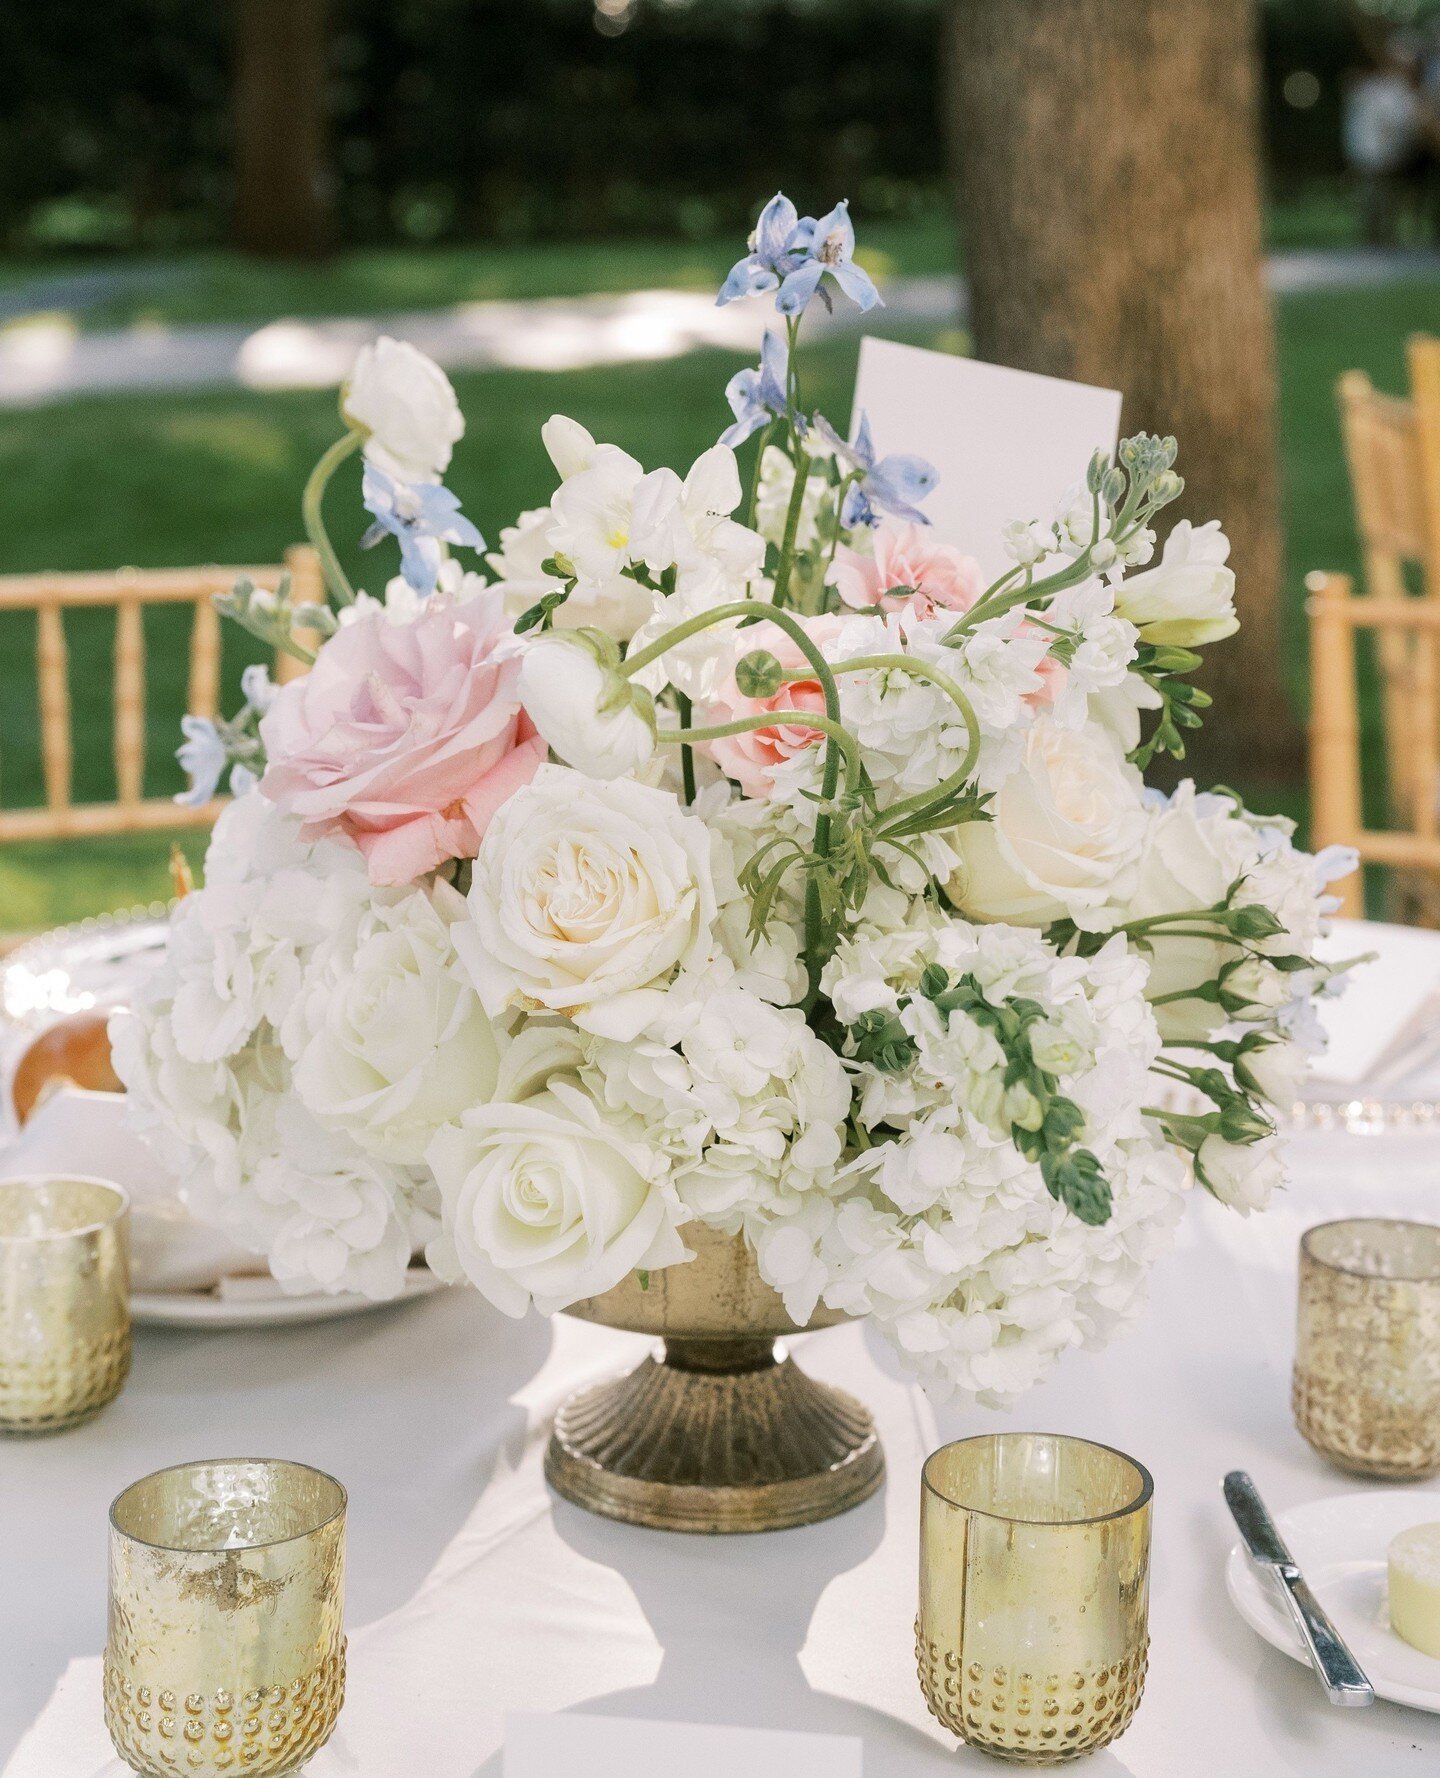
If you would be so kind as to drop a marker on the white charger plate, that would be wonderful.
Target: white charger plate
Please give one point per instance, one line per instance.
(201, 1309)
(1340, 1545)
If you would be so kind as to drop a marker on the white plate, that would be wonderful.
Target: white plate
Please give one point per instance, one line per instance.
(200, 1309)
(1340, 1545)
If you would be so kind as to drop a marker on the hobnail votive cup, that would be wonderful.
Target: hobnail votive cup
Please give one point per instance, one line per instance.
(64, 1300)
(1034, 1593)
(226, 1646)
(1366, 1387)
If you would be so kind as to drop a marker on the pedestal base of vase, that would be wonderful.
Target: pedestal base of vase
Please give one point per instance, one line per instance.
(715, 1435)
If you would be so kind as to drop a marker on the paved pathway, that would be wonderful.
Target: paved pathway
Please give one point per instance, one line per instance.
(47, 359)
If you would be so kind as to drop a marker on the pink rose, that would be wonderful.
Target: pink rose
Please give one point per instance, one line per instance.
(751, 758)
(932, 575)
(405, 736)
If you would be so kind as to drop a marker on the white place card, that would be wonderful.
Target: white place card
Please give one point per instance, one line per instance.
(1008, 444)
(572, 1746)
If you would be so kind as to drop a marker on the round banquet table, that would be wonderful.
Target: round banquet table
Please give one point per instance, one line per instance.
(472, 1592)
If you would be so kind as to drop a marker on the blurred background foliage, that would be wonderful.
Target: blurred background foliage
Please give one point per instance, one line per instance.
(533, 120)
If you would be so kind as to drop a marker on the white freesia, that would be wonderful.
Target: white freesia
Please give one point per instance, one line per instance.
(585, 900)
(1064, 830)
(1242, 1175)
(1188, 599)
(548, 1201)
(392, 1041)
(405, 403)
(592, 718)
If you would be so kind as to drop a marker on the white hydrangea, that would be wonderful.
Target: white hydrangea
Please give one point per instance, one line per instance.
(953, 1242)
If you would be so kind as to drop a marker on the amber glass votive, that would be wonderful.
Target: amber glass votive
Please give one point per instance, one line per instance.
(1366, 1389)
(226, 1649)
(1034, 1593)
(64, 1300)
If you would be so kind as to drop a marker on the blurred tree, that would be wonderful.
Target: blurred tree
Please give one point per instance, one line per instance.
(1107, 159)
(283, 188)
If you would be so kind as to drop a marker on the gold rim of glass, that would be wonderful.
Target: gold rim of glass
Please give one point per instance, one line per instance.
(1430, 1229)
(263, 1543)
(118, 1192)
(1145, 1480)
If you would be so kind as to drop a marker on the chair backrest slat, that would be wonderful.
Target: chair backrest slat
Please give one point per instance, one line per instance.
(127, 592)
(53, 667)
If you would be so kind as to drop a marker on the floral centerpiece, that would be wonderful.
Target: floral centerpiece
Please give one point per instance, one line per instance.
(724, 854)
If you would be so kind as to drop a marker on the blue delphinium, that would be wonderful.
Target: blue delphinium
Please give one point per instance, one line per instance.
(203, 757)
(791, 254)
(758, 396)
(892, 485)
(831, 244)
(779, 247)
(422, 516)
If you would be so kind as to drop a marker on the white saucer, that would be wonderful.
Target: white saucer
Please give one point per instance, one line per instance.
(202, 1309)
(1340, 1545)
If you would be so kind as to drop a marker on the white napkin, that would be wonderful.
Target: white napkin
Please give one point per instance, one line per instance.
(77, 1131)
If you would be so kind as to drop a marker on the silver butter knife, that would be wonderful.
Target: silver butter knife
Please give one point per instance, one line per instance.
(1338, 1670)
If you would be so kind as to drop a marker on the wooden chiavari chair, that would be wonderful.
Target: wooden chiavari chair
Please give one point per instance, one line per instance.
(1393, 450)
(128, 591)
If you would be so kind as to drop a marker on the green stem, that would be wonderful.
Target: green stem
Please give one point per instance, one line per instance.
(786, 564)
(687, 753)
(816, 940)
(841, 736)
(754, 506)
(310, 503)
(923, 670)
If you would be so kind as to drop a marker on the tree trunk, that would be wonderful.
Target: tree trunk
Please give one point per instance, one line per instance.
(1109, 191)
(283, 185)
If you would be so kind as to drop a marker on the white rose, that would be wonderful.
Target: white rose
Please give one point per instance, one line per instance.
(548, 1201)
(394, 1040)
(1276, 1071)
(405, 402)
(1242, 1175)
(586, 898)
(1066, 823)
(1262, 988)
(1193, 850)
(595, 720)
(1189, 598)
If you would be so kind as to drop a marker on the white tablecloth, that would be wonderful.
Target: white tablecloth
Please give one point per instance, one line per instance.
(432, 1415)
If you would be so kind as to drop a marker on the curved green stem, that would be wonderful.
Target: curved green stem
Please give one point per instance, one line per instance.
(310, 504)
(923, 670)
(815, 937)
(834, 731)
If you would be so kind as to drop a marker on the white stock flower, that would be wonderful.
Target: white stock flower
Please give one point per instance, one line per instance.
(404, 401)
(1065, 829)
(586, 898)
(591, 717)
(1242, 1175)
(548, 1201)
(1188, 598)
(393, 1040)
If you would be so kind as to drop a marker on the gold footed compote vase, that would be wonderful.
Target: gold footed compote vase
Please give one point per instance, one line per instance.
(720, 1431)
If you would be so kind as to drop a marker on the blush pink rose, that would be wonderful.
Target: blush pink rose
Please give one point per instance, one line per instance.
(933, 576)
(406, 737)
(751, 758)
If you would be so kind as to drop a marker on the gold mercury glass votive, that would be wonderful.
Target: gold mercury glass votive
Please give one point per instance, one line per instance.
(226, 1650)
(1366, 1387)
(64, 1300)
(1034, 1593)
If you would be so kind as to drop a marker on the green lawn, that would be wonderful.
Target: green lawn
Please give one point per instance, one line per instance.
(225, 286)
(216, 476)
